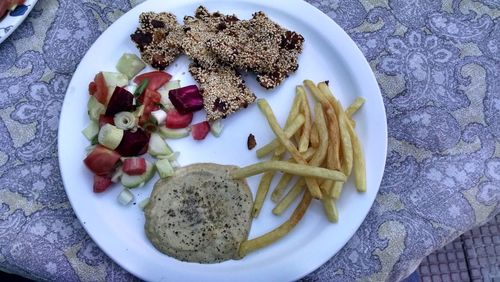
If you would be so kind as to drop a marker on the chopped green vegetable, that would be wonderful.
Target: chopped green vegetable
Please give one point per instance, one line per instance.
(114, 79)
(171, 157)
(140, 89)
(165, 101)
(125, 120)
(130, 65)
(164, 168)
(94, 141)
(143, 203)
(134, 181)
(110, 136)
(174, 133)
(95, 109)
(158, 146)
(216, 128)
(125, 197)
(90, 132)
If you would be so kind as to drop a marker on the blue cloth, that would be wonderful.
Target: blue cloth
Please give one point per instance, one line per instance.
(437, 63)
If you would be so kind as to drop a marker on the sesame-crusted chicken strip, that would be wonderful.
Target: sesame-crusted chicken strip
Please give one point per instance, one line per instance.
(259, 45)
(223, 90)
(158, 38)
(200, 29)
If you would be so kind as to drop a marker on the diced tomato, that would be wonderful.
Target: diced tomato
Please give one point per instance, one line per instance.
(101, 183)
(92, 88)
(134, 166)
(200, 130)
(105, 119)
(101, 93)
(155, 79)
(150, 99)
(101, 161)
(178, 120)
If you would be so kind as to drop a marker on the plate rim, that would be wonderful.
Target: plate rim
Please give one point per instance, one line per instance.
(322, 17)
(20, 20)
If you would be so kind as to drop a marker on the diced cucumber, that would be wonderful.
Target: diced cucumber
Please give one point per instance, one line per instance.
(130, 65)
(164, 168)
(95, 109)
(174, 133)
(110, 136)
(114, 79)
(158, 146)
(131, 181)
(125, 197)
(91, 130)
(134, 181)
(143, 203)
(216, 128)
(171, 157)
(150, 171)
(165, 101)
(159, 116)
(125, 120)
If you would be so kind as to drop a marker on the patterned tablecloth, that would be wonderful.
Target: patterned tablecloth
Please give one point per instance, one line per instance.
(437, 63)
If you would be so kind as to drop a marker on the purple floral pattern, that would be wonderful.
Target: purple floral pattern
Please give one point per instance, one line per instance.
(442, 140)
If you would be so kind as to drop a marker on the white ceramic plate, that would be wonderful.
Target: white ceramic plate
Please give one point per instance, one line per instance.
(14, 18)
(329, 54)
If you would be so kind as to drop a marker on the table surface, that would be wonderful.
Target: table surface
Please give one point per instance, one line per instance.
(437, 64)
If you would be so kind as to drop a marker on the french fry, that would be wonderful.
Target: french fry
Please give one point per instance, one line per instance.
(286, 177)
(359, 162)
(290, 197)
(289, 131)
(294, 111)
(263, 189)
(306, 111)
(345, 138)
(321, 152)
(326, 186)
(336, 190)
(312, 184)
(330, 209)
(296, 169)
(333, 124)
(278, 233)
(278, 191)
(333, 154)
(314, 136)
(354, 107)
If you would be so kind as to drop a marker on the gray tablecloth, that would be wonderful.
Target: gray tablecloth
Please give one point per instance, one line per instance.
(437, 63)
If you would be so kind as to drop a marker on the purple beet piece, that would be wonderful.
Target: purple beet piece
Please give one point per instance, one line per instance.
(186, 99)
(133, 143)
(121, 101)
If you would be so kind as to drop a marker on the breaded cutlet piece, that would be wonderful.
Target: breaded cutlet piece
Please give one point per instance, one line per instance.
(259, 45)
(200, 29)
(158, 38)
(223, 90)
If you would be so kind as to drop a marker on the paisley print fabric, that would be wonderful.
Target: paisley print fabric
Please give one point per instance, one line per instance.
(437, 63)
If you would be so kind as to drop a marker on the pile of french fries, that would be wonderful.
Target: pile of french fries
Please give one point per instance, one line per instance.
(322, 150)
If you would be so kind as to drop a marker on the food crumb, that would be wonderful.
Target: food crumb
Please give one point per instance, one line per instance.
(251, 143)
